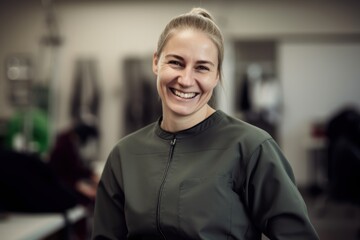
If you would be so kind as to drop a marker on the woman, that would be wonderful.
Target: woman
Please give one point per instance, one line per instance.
(197, 173)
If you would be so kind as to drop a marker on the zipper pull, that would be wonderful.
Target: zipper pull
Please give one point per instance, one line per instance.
(172, 142)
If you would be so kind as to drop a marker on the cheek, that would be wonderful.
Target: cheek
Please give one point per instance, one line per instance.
(209, 84)
(165, 76)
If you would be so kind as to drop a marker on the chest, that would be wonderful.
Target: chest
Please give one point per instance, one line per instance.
(182, 190)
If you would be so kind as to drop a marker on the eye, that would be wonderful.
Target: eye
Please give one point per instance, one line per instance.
(202, 68)
(175, 63)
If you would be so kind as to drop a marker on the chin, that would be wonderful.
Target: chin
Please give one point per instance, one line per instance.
(182, 112)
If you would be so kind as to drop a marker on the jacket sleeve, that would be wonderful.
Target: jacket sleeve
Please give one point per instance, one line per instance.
(109, 219)
(273, 200)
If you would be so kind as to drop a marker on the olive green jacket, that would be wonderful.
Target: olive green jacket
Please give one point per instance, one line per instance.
(221, 179)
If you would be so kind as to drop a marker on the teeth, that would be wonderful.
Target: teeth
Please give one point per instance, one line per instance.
(184, 95)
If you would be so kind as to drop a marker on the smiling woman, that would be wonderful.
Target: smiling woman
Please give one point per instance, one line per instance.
(187, 73)
(197, 173)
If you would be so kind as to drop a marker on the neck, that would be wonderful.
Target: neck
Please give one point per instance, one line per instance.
(176, 123)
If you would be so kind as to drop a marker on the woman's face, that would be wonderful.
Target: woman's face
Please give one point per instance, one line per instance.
(186, 72)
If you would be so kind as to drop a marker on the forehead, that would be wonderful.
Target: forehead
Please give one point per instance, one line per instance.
(192, 42)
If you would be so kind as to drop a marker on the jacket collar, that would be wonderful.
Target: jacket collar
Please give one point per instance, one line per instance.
(198, 128)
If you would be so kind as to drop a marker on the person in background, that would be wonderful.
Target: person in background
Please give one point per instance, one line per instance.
(197, 173)
(70, 159)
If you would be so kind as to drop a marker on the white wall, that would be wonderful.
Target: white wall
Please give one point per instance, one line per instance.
(112, 30)
(318, 79)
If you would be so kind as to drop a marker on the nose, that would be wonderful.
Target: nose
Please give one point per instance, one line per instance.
(186, 78)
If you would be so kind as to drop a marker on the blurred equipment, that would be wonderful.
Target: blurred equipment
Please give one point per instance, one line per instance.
(45, 87)
(317, 152)
(343, 165)
(258, 96)
(343, 132)
(86, 90)
(19, 72)
(31, 91)
(27, 131)
(142, 102)
(28, 185)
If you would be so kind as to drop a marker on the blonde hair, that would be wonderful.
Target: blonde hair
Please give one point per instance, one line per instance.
(197, 19)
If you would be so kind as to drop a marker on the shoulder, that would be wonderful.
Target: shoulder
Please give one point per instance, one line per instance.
(135, 141)
(137, 137)
(245, 131)
(247, 136)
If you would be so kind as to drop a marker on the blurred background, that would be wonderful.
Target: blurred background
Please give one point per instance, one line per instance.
(75, 76)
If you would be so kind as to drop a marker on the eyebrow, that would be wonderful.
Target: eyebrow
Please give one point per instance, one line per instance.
(182, 59)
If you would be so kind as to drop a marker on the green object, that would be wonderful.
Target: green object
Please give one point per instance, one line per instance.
(38, 138)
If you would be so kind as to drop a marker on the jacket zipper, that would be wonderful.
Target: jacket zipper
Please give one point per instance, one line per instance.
(172, 146)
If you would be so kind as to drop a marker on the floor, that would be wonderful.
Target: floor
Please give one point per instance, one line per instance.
(333, 220)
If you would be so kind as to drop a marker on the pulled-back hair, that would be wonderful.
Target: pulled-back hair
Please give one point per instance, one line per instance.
(197, 19)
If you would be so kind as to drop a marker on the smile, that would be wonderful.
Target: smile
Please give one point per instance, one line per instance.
(184, 95)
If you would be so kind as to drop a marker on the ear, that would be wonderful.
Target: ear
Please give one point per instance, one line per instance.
(155, 63)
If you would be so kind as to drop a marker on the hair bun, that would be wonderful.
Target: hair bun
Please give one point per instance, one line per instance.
(202, 12)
